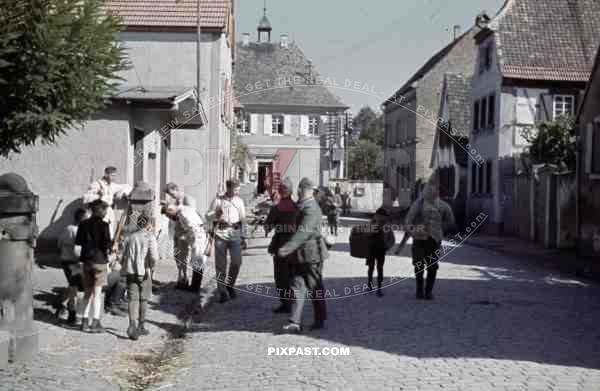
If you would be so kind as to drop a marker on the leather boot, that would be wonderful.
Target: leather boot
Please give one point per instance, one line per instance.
(431, 274)
(132, 331)
(420, 282)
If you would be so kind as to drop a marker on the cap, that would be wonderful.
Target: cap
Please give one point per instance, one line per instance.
(306, 183)
(109, 170)
(287, 185)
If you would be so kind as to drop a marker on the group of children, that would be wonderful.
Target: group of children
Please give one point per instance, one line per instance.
(87, 254)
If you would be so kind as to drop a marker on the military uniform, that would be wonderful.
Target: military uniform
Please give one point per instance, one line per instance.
(282, 218)
(430, 215)
(306, 270)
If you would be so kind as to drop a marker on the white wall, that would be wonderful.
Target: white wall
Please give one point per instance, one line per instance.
(61, 173)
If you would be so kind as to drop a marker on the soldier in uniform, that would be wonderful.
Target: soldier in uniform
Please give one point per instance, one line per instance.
(310, 250)
(107, 190)
(431, 216)
(282, 219)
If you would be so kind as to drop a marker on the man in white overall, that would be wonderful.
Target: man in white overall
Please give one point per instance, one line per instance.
(107, 190)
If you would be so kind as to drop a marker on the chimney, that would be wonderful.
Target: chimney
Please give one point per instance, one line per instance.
(456, 30)
(245, 39)
(284, 40)
(309, 71)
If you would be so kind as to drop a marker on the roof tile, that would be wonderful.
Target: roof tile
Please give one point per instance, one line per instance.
(170, 13)
(548, 40)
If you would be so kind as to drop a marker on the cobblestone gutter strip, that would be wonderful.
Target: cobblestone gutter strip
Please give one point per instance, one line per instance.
(158, 367)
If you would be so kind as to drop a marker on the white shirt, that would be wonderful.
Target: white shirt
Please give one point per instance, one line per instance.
(109, 191)
(233, 210)
(188, 219)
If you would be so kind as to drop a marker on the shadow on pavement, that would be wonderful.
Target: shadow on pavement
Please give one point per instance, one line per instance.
(495, 317)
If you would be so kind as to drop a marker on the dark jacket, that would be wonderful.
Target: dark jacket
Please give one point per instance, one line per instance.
(93, 235)
(307, 240)
(282, 218)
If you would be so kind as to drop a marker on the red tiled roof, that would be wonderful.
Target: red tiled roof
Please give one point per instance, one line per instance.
(547, 40)
(170, 13)
(543, 73)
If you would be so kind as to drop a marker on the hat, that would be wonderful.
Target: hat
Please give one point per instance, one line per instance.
(287, 185)
(306, 183)
(110, 170)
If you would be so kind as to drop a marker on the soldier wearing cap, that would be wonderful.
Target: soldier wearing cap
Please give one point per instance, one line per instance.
(227, 215)
(107, 190)
(282, 219)
(310, 251)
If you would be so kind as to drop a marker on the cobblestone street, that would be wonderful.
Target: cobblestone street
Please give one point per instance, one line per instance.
(497, 322)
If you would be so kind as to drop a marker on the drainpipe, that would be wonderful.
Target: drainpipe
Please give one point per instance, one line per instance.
(198, 57)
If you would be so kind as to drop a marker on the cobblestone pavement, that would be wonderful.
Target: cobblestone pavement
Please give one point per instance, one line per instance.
(497, 322)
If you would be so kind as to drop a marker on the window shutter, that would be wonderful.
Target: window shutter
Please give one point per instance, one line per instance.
(253, 123)
(547, 107)
(525, 108)
(295, 125)
(268, 124)
(303, 125)
(287, 124)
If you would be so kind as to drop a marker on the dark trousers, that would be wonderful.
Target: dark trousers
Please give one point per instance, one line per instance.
(379, 259)
(282, 280)
(114, 291)
(196, 280)
(425, 258)
(332, 221)
(306, 282)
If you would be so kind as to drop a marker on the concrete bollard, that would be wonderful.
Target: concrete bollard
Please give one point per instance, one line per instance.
(18, 231)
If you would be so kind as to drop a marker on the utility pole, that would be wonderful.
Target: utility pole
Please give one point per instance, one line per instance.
(198, 57)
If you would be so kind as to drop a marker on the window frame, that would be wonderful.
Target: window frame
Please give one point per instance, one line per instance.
(318, 125)
(244, 124)
(481, 175)
(483, 114)
(489, 167)
(474, 174)
(564, 98)
(491, 111)
(595, 142)
(476, 115)
(276, 132)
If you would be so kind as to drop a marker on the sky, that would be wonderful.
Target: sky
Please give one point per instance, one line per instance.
(373, 46)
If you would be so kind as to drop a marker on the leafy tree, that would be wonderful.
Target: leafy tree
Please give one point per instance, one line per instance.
(370, 125)
(553, 142)
(240, 155)
(366, 154)
(58, 65)
(365, 160)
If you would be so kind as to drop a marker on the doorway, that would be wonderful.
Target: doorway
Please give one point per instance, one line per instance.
(265, 172)
(138, 155)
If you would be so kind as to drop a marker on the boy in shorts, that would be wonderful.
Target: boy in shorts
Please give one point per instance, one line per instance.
(93, 235)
